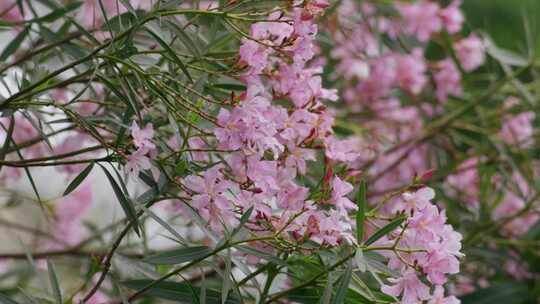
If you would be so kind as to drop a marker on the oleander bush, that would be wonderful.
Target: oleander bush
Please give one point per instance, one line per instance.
(249, 151)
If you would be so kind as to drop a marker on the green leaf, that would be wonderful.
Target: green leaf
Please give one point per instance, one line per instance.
(185, 38)
(503, 55)
(343, 285)
(5, 300)
(179, 292)
(226, 283)
(13, 45)
(78, 179)
(385, 230)
(9, 134)
(124, 201)
(116, 23)
(230, 86)
(327, 294)
(361, 201)
(360, 260)
(164, 225)
(172, 53)
(54, 282)
(178, 256)
(243, 220)
(52, 16)
(261, 254)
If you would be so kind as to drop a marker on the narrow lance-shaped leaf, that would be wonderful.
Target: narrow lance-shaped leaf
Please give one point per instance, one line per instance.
(126, 204)
(226, 285)
(327, 295)
(343, 285)
(172, 53)
(13, 45)
(164, 225)
(261, 254)
(5, 300)
(9, 134)
(178, 256)
(361, 201)
(54, 283)
(385, 230)
(175, 291)
(243, 220)
(58, 13)
(79, 179)
(185, 38)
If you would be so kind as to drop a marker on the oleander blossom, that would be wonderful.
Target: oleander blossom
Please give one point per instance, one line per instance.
(10, 11)
(271, 142)
(470, 52)
(436, 248)
(517, 129)
(145, 149)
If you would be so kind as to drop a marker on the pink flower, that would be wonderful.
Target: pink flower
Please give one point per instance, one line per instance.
(517, 269)
(68, 214)
(198, 143)
(142, 138)
(465, 182)
(517, 129)
(315, 8)
(254, 55)
(342, 150)
(308, 89)
(382, 77)
(93, 15)
(298, 125)
(138, 161)
(416, 200)
(292, 197)
(427, 224)
(413, 290)
(210, 200)
(251, 126)
(9, 11)
(272, 32)
(471, 52)
(263, 173)
(73, 143)
(340, 189)
(439, 265)
(411, 71)
(297, 158)
(439, 298)
(421, 18)
(326, 229)
(452, 17)
(447, 80)
(514, 201)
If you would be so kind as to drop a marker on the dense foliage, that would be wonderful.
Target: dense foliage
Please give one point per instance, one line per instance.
(303, 151)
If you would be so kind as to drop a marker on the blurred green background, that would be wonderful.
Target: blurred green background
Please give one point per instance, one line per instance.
(504, 21)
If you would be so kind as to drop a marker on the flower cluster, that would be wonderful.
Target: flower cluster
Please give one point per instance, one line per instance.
(395, 86)
(282, 146)
(374, 72)
(272, 143)
(427, 244)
